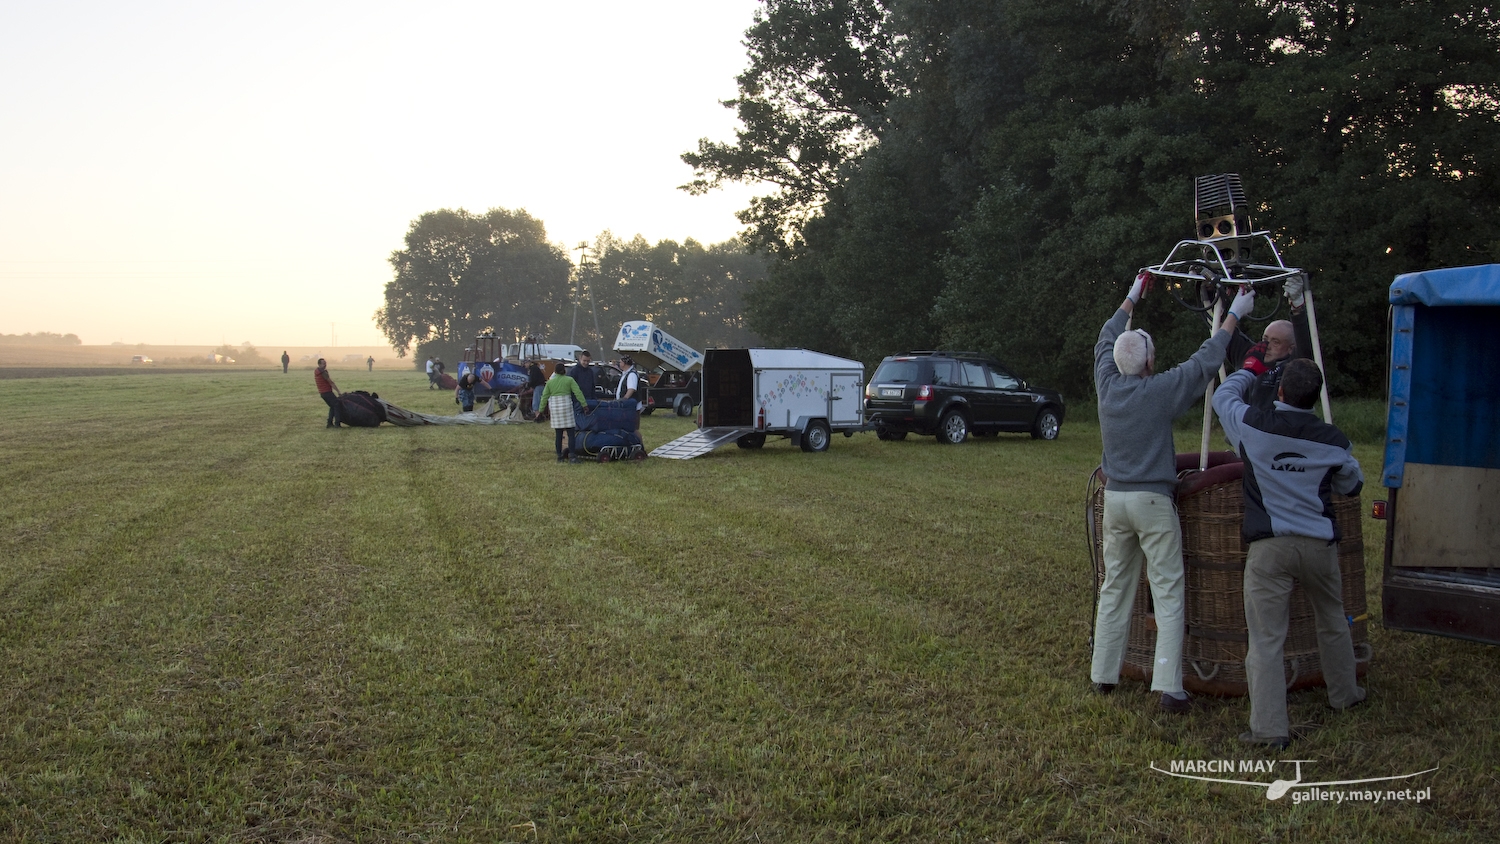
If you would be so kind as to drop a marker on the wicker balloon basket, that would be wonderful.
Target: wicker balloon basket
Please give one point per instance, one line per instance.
(1210, 505)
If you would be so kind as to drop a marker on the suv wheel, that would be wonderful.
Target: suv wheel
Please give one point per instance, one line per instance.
(1046, 426)
(953, 428)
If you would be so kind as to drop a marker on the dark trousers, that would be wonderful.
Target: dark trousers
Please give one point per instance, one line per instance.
(335, 417)
(572, 441)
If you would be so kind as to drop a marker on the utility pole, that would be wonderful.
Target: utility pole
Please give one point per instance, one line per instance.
(583, 258)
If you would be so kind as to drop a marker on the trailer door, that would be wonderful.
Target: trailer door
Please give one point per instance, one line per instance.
(844, 405)
(729, 388)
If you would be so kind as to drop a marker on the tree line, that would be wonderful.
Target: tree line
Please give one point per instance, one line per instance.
(462, 274)
(989, 174)
(40, 338)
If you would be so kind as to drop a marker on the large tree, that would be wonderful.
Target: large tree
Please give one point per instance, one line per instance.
(463, 274)
(813, 97)
(1019, 159)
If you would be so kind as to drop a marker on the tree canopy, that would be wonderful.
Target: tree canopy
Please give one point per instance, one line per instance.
(462, 274)
(990, 173)
(692, 291)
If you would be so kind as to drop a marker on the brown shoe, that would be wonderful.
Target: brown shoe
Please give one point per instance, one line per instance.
(1176, 706)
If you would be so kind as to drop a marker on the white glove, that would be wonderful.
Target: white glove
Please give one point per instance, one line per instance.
(1294, 288)
(1243, 302)
(1142, 284)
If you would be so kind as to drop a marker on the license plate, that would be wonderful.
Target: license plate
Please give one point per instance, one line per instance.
(890, 392)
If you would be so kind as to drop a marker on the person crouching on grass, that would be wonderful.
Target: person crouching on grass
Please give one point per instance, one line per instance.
(1136, 409)
(559, 394)
(328, 392)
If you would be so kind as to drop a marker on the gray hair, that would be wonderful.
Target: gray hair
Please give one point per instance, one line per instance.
(1133, 351)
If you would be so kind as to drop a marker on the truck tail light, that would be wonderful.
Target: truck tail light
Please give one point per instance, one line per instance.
(925, 392)
(1377, 510)
(760, 419)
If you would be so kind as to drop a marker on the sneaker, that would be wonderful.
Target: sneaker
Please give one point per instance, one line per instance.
(1277, 742)
(1176, 705)
(572, 459)
(1103, 688)
(559, 458)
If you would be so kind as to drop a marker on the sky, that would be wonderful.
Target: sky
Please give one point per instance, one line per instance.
(198, 173)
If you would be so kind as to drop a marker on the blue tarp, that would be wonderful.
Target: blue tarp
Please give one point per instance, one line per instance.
(1445, 370)
(1447, 288)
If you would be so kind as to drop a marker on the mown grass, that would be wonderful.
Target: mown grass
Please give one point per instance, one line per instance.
(220, 621)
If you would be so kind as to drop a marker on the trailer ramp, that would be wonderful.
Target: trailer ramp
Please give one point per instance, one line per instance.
(700, 442)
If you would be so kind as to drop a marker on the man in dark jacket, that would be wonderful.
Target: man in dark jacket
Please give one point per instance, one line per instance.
(1293, 462)
(583, 373)
(1281, 342)
(536, 380)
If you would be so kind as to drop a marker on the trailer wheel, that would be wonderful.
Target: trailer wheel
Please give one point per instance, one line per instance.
(751, 441)
(953, 428)
(815, 438)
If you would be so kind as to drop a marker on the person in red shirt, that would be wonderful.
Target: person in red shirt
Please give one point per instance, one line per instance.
(329, 392)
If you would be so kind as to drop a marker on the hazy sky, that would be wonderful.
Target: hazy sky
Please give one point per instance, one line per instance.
(189, 172)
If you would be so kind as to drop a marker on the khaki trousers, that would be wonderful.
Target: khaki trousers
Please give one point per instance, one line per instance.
(1270, 569)
(1140, 528)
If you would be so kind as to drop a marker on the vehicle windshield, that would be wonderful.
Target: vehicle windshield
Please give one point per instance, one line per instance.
(899, 372)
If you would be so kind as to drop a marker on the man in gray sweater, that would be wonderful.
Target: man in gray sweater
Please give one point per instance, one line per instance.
(1136, 409)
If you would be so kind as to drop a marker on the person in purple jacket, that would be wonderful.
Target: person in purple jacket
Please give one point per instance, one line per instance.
(1136, 408)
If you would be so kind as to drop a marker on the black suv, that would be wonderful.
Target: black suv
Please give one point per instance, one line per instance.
(950, 394)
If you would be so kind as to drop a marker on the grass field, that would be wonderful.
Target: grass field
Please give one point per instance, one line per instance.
(221, 622)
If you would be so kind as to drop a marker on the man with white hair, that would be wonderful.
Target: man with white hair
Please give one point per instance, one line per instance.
(1136, 409)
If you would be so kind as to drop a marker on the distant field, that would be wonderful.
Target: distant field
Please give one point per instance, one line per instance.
(221, 622)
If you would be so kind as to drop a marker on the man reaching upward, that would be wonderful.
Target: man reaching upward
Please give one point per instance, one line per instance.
(1136, 409)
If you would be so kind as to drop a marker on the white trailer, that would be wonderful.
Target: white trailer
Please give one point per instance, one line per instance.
(651, 347)
(750, 393)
